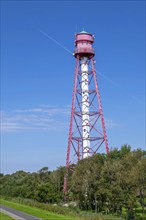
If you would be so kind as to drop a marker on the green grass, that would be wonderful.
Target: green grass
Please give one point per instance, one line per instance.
(45, 215)
(50, 212)
(5, 217)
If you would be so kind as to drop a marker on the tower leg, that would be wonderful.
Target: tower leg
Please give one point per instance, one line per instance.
(100, 106)
(71, 126)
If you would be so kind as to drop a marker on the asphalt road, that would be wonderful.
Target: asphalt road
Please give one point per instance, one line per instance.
(17, 214)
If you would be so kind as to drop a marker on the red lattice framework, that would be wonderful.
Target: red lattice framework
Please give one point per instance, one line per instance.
(97, 135)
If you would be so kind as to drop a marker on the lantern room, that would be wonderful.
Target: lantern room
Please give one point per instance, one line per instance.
(83, 45)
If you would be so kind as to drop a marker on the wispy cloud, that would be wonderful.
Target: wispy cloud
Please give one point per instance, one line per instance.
(41, 118)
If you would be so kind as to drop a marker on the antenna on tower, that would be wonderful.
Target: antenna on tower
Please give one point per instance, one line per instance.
(76, 28)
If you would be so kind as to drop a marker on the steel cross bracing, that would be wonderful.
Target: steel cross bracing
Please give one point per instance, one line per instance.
(96, 133)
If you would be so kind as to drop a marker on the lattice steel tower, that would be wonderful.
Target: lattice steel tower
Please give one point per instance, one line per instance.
(87, 129)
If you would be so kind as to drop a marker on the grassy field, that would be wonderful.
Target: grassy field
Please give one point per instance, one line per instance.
(48, 215)
(5, 217)
(45, 215)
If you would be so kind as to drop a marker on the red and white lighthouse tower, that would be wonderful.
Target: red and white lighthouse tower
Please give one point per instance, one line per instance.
(87, 131)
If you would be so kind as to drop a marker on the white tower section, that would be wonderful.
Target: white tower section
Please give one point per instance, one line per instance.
(85, 107)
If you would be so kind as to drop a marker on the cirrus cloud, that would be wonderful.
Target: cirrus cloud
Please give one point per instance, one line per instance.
(42, 118)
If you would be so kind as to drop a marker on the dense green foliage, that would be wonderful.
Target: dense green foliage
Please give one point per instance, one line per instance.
(43, 186)
(112, 183)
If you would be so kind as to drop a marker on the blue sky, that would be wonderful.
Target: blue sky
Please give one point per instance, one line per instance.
(37, 76)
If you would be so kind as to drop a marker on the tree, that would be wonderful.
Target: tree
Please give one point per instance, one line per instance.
(85, 181)
(138, 174)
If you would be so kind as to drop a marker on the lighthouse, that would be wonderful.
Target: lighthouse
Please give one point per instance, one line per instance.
(87, 132)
